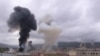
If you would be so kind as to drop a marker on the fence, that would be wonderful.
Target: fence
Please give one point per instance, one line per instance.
(7, 54)
(14, 54)
(35, 54)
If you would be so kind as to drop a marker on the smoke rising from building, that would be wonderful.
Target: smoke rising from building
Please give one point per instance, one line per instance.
(50, 30)
(23, 20)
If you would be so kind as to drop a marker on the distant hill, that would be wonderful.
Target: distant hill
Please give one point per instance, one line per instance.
(7, 46)
(77, 44)
(60, 45)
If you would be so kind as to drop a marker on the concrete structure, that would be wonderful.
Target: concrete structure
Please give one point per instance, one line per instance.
(52, 53)
(23, 54)
(88, 52)
(72, 53)
(84, 52)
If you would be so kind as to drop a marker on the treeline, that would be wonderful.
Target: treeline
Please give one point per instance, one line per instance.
(3, 49)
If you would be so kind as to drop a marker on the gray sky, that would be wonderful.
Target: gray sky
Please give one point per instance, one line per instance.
(79, 19)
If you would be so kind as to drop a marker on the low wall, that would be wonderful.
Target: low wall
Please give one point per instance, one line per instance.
(50, 54)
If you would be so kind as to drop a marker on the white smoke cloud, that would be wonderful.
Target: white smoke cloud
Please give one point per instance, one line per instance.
(50, 30)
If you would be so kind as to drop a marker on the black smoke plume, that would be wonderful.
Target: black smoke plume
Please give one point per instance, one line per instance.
(22, 19)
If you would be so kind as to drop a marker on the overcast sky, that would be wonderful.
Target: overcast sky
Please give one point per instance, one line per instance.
(80, 19)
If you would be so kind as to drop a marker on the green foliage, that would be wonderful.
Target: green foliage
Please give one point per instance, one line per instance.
(3, 49)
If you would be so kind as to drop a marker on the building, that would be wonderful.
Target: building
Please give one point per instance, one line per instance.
(72, 53)
(83, 51)
(88, 52)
